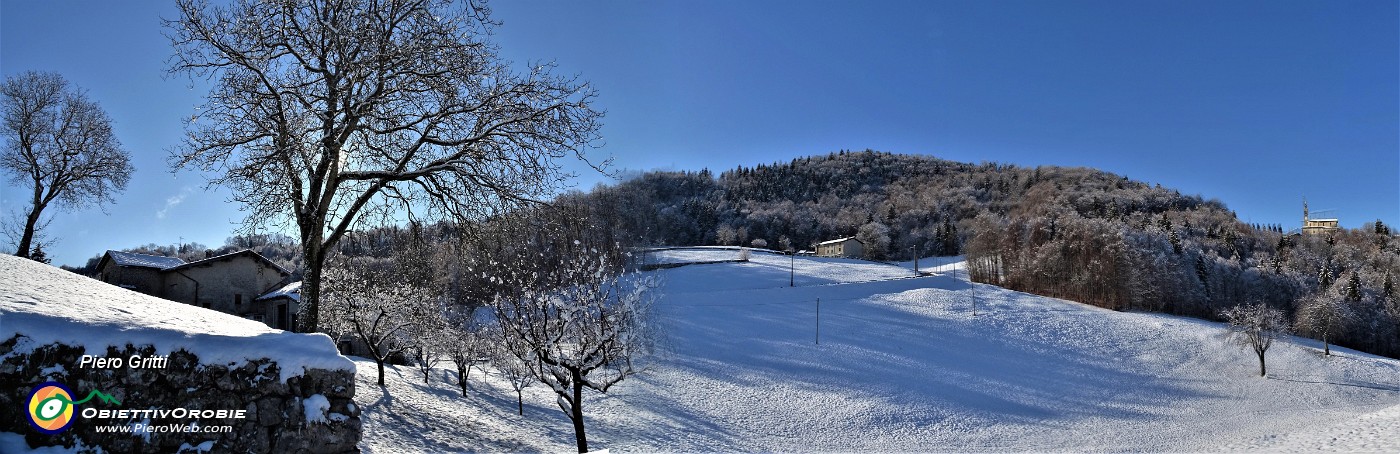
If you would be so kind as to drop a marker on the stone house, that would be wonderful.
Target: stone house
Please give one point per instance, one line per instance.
(242, 283)
(848, 247)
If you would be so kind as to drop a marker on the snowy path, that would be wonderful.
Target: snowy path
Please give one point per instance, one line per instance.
(903, 365)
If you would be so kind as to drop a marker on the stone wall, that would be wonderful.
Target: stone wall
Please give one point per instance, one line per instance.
(276, 413)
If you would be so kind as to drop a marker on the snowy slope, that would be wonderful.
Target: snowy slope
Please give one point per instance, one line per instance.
(49, 305)
(904, 365)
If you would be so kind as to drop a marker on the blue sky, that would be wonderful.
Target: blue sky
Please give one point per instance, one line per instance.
(1257, 104)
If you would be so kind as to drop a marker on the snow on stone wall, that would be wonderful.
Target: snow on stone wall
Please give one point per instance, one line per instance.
(174, 372)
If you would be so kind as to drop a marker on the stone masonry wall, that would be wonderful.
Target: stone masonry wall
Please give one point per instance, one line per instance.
(276, 412)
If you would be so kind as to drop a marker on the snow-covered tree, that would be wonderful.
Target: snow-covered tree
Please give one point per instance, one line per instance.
(465, 346)
(60, 147)
(876, 239)
(377, 312)
(1256, 326)
(1325, 316)
(725, 235)
(516, 362)
(427, 335)
(1353, 289)
(580, 324)
(323, 113)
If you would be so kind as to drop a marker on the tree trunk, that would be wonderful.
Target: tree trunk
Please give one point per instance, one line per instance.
(1326, 348)
(577, 416)
(310, 306)
(27, 239)
(380, 362)
(1262, 371)
(520, 404)
(462, 380)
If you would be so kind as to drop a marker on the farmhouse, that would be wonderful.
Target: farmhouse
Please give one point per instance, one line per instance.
(242, 283)
(843, 247)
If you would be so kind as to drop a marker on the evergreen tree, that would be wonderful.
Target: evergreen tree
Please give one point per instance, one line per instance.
(1354, 288)
(37, 254)
(1324, 276)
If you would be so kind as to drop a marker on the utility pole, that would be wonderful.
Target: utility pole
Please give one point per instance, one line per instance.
(973, 288)
(792, 268)
(916, 260)
(819, 321)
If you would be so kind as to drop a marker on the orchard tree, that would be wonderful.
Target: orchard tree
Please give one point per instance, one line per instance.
(465, 346)
(59, 144)
(378, 312)
(1325, 316)
(1256, 326)
(516, 363)
(579, 323)
(327, 112)
(428, 336)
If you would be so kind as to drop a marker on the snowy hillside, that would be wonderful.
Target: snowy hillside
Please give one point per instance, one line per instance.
(49, 305)
(904, 365)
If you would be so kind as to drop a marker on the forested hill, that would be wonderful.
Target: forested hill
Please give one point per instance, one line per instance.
(1075, 233)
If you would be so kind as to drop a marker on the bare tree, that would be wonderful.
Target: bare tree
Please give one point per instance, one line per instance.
(60, 145)
(581, 328)
(1324, 316)
(324, 112)
(1256, 326)
(465, 347)
(427, 336)
(515, 362)
(379, 314)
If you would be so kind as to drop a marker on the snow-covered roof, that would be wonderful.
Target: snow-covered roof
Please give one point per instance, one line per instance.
(49, 305)
(218, 258)
(292, 291)
(144, 260)
(839, 240)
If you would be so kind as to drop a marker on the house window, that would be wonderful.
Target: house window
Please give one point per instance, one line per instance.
(258, 318)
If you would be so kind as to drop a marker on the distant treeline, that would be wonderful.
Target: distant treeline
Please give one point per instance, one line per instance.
(1074, 233)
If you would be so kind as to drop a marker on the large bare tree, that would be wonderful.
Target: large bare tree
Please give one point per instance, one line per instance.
(60, 144)
(327, 112)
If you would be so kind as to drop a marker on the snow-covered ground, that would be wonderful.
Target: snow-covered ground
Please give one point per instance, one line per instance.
(904, 365)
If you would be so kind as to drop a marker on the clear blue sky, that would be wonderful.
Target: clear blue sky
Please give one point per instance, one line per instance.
(1255, 103)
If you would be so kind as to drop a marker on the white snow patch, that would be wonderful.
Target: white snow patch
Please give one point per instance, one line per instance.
(315, 408)
(202, 447)
(48, 305)
(55, 370)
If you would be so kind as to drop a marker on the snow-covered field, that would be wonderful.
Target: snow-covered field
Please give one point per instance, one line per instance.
(904, 365)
